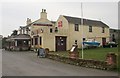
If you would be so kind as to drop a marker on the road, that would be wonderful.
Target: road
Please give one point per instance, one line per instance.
(28, 64)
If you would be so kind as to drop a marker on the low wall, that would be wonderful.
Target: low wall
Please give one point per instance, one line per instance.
(83, 62)
(13, 48)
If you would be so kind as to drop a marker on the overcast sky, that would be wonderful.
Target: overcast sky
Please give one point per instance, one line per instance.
(14, 14)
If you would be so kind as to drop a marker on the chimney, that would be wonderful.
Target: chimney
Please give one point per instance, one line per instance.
(20, 30)
(43, 14)
(28, 21)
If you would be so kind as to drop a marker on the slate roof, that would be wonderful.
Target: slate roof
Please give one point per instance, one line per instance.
(53, 22)
(114, 30)
(19, 36)
(22, 36)
(76, 20)
(31, 23)
(37, 22)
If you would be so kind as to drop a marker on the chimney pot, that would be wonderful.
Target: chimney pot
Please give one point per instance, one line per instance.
(44, 10)
(43, 14)
(28, 21)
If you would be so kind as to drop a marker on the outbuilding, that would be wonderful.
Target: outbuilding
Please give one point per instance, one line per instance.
(20, 42)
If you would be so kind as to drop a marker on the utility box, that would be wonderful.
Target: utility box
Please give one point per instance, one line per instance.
(74, 54)
(111, 59)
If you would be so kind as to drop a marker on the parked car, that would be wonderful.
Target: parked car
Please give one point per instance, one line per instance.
(110, 44)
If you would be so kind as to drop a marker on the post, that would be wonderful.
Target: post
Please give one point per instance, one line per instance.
(16, 43)
(82, 28)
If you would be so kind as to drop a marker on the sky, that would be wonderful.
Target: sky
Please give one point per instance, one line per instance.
(14, 14)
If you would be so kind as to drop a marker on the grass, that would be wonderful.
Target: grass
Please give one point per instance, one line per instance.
(96, 53)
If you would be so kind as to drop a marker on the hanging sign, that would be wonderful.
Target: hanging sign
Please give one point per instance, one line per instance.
(32, 33)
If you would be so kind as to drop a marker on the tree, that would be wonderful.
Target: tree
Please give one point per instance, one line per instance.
(4, 42)
(15, 32)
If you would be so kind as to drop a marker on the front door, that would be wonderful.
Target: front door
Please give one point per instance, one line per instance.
(60, 43)
(103, 41)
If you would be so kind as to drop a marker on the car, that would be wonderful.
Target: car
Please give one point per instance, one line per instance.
(110, 44)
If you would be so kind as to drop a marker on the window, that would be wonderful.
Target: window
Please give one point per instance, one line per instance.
(90, 28)
(103, 30)
(25, 42)
(76, 27)
(56, 29)
(40, 40)
(19, 43)
(84, 39)
(114, 30)
(76, 42)
(62, 42)
(51, 30)
(36, 41)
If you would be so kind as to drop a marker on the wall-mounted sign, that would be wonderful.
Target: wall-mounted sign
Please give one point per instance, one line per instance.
(42, 24)
(60, 24)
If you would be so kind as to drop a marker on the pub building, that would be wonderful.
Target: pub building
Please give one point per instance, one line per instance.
(60, 35)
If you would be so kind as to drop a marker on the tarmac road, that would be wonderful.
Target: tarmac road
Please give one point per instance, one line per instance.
(28, 64)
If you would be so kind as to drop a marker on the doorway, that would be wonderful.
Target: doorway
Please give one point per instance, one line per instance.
(60, 43)
(103, 41)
